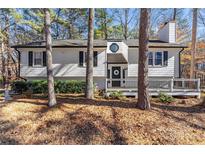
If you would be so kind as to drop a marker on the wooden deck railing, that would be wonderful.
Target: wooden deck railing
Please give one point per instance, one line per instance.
(159, 85)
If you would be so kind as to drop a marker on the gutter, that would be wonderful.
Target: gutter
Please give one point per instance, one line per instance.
(180, 62)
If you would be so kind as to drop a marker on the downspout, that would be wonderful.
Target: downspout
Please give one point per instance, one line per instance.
(19, 59)
(180, 62)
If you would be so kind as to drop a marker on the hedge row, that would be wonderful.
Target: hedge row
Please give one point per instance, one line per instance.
(40, 86)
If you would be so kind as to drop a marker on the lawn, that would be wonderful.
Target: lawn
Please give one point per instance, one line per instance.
(76, 120)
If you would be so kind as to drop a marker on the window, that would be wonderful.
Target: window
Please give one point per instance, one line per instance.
(83, 57)
(38, 59)
(114, 47)
(158, 58)
(150, 58)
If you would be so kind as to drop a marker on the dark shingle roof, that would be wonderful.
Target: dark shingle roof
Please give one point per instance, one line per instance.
(98, 43)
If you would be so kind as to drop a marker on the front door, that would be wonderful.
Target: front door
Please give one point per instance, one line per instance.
(116, 76)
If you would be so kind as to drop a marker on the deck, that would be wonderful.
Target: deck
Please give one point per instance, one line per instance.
(173, 87)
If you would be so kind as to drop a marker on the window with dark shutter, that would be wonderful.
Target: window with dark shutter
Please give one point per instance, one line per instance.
(95, 58)
(81, 58)
(30, 58)
(44, 58)
(165, 56)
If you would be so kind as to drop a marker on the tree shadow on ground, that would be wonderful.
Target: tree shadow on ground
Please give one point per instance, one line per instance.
(83, 101)
(180, 118)
(190, 109)
(83, 127)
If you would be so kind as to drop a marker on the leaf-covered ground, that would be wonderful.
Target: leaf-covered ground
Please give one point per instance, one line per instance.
(76, 120)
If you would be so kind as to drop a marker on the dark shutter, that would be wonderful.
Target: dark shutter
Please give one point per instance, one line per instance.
(123, 73)
(30, 58)
(95, 58)
(108, 74)
(165, 55)
(81, 58)
(44, 58)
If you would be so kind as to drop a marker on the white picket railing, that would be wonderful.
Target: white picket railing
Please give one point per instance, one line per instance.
(167, 85)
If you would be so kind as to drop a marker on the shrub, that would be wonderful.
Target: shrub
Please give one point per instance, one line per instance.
(116, 95)
(40, 86)
(164, 98)
(69, 86)
(19, 86)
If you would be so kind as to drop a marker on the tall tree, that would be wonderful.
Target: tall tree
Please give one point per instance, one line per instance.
(126, 18)
(50, 79)
(143, 95)
(193, 44)
(89, 67)
(103, 23)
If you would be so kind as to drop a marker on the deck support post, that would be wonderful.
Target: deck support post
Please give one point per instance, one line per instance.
(172, 85)
(198, 84)
(106, 85)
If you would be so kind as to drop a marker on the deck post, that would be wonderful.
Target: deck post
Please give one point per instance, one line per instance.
(106, 85)
(183, 84)
(172, 85)
(198, 84)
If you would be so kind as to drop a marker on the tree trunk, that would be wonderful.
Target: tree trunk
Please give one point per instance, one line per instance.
(105, 24)
(7, 61)
(143, 95)
(193, 44)
(50, 79)
(89, 67)
(126, 24)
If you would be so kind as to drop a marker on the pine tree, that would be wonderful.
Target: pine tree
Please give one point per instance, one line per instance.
(89, 66)
(143, 95)
(50, 79)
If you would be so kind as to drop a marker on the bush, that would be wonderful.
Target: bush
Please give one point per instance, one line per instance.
(164, 98)
(19, 86)
(40, 86)
(70, 86)
(116, 95)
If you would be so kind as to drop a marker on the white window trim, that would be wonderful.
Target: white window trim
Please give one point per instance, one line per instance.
(34, 59)
(153, 64)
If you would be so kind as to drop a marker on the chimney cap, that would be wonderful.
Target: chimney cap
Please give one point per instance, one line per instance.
(162, 25)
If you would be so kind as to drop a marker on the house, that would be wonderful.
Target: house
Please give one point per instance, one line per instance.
(115, 63)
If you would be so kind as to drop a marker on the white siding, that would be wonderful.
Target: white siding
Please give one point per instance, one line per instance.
(172, 32)
(123, 49)
(65, 63)
(171, 70)
(168, 33)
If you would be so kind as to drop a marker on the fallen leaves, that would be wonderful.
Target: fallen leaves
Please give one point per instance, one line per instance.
(76, 120)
